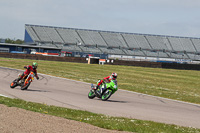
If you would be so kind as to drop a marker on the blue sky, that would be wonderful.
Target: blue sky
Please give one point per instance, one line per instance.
(160, 17)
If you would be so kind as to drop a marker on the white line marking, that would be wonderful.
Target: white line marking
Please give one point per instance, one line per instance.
(3, 95)
(119, 89)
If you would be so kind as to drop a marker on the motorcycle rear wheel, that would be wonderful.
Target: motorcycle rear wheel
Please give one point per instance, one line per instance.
(25, 87)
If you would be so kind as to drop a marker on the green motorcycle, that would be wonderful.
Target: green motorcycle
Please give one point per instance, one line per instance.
(104, 91)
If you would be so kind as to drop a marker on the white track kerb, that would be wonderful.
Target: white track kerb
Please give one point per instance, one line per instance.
(119, 89)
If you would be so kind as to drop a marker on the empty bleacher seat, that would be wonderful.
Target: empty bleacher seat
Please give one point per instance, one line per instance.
(158, 54)
(193, 56)
(179, 55)
(196, 43)
(42, 34)
(166, 44)
(52, 33)
(134, 52)
(114, 39)
(156, 42)
(69, 36)
(187, 45)
(112, 51)
(176, 44)
(32, 33)
(90, 49)
(71, 48)
(130, 40)
(142, 42)
(92, 38)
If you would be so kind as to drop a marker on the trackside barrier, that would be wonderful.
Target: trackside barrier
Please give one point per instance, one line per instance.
(41, 57)
(96, 61)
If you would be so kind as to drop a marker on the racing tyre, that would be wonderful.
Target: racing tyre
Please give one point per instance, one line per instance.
(25, 87)
(13, 84)
(91, 94)
(106, 95)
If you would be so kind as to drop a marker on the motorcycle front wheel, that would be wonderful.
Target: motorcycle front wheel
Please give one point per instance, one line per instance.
(91, 94)
(106, 95)
(13, 84)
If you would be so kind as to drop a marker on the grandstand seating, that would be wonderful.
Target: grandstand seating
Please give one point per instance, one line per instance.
(111, 51)
(42, 34)
(92, 38)
(134, 52)
(131, 41)
(90, 49)
(176, 44)
(194, 56)
(196, 43)
(115, 43)
(156, 54)
(55, 37)
(166, 43)
(156, 42)
(69, 36)
(142, 42)
(114, 39)
(73, 48)
(34, 36)
(187, 45)
(179, 56)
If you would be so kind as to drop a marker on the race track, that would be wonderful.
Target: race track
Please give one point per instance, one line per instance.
(73, 94)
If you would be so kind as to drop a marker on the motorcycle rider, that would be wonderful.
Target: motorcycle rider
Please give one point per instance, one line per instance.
(29, 68)
(107, 79)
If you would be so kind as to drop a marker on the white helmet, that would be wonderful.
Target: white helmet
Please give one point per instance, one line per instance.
(114, 76)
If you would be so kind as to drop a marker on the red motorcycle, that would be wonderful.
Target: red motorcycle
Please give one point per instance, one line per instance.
(24, 82)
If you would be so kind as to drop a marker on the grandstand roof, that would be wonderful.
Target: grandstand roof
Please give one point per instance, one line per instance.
(108, 31)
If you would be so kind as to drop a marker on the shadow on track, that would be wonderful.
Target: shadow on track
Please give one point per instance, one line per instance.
(18, 88)
(112, 101)
(116, 101)
(36, 90)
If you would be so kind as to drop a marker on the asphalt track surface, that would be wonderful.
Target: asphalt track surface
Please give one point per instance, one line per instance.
(73, 94)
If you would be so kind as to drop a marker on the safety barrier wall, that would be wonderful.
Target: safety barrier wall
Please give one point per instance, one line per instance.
(158, 65)
(115, 62)
(137, 63)
(41, 57)
(181, 66)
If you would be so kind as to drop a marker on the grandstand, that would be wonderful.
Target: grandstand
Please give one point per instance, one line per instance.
(114, 43)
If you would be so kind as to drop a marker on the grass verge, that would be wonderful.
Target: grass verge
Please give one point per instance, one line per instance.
(103, 121)
(181, 85)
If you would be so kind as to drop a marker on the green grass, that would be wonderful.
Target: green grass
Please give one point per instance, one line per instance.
(103, 121)
(169, 83)
(175, 84)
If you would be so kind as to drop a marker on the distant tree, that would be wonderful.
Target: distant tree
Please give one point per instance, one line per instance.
(18, 41)
(8, 40)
